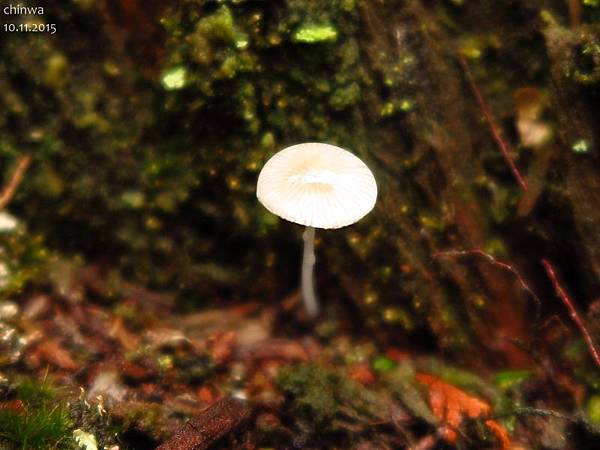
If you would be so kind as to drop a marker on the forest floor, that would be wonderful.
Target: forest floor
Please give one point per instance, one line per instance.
(81, 371)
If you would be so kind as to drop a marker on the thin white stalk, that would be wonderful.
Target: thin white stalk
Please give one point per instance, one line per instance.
(308, 263)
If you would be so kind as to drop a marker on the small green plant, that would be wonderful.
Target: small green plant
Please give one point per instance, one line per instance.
(39, 428)
(34, 420)
(35, 393)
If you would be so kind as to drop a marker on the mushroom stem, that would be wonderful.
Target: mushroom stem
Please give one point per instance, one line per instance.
(308, 263)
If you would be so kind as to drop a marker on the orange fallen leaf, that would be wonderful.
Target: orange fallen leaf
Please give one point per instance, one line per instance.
(221, 346)
(450, 405)
(119, 331)
(52, 353)
(362, 374)
(205, 395)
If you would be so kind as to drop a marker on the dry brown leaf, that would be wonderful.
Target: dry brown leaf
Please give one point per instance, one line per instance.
(285, 349)
(221, 346)
(52, 353)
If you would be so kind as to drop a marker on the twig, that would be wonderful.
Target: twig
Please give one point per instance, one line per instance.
(562, 294)
(574, 12)
(93, 279)
(503, 265)
(427, 443)
(212, 424)
(489, 117)
(8, 191)
(530, 411)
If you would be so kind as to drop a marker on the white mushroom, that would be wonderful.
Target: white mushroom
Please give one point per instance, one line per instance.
(319, 186)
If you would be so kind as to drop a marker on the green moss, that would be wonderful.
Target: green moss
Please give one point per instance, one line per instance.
(151, 166)
(320, 395)
(42, 428)
(35, 393)
(149, 417)
(313, 392)
(581, 146)
(345, 96)
(383, 364)
(511, 378)
(593, 409)
(91, 418)
(174, 78)
(24, 257)
(315, 33)
(401, 383)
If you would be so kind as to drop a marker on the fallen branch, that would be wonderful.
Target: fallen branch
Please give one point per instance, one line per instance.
(562, 294)
(503, 265)
(273, 348)
(212, 424)
(93, 279)
(8, 191)
(529, 411)
(489, 117)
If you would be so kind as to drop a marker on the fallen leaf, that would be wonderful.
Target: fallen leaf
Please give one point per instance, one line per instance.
(362, 374)
(205, 395)
(221, 346)
(450, 405)
(119, 331)
(52, 353)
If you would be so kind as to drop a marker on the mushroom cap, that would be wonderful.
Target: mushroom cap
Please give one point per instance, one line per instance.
(317, 185)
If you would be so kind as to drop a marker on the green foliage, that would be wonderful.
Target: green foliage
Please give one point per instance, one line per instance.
(593, 409)
(383, 364)
(35, 416)
(320, 395)
(148, 164)
(313, 391)
(156, 167)
(311, 33)
(403, 385)
(149, 417)
(43, 428)
(23, 256)
(511, 378)
(35, 393)
(42, 423)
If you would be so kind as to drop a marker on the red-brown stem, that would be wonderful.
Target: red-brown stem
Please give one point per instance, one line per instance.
(15, 179)
(495, 130)
(503, 265)
(562, 294)
(574, 12)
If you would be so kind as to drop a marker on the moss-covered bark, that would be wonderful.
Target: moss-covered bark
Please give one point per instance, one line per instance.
(149, 122)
